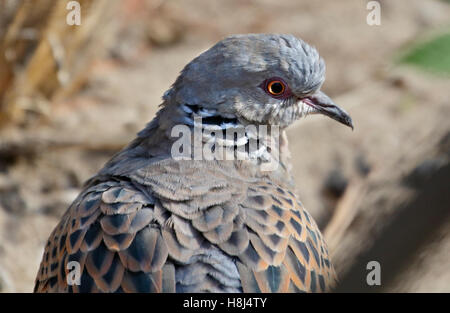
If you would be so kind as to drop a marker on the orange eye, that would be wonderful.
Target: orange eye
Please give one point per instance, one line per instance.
(276, 87)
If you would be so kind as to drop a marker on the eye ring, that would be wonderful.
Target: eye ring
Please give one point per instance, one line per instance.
(276, 87)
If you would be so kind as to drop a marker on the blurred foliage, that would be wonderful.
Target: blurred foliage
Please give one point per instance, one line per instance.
(42, 57)
(432, 55)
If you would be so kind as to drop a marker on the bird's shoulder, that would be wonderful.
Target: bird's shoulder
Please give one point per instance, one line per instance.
(127, 234)
(109, 231)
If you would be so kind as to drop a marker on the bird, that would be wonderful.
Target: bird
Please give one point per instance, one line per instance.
(186, 208)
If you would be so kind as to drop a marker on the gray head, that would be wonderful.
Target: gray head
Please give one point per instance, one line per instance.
(258, 79)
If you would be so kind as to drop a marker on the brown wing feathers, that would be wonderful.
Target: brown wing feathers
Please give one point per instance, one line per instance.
(109, 231)
(126, 240)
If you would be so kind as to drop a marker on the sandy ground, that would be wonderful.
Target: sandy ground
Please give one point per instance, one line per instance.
(393, 110)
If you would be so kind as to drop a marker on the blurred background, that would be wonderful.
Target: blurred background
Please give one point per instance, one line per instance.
(73, 95)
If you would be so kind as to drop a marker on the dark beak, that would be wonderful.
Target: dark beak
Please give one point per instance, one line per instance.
(324, 105)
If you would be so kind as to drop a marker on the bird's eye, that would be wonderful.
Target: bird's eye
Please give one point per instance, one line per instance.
(276, 87)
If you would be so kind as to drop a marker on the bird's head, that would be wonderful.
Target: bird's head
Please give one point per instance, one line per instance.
(257, 79)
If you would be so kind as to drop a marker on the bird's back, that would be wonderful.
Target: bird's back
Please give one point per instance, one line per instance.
(187, 226)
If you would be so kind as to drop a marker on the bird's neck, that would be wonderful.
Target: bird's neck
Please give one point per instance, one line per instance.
(213, 134)
(190, 132)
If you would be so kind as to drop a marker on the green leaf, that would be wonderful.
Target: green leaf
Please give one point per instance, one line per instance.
(432, 55)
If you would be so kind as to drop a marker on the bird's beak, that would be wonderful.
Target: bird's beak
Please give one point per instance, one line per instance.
(324, 105)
